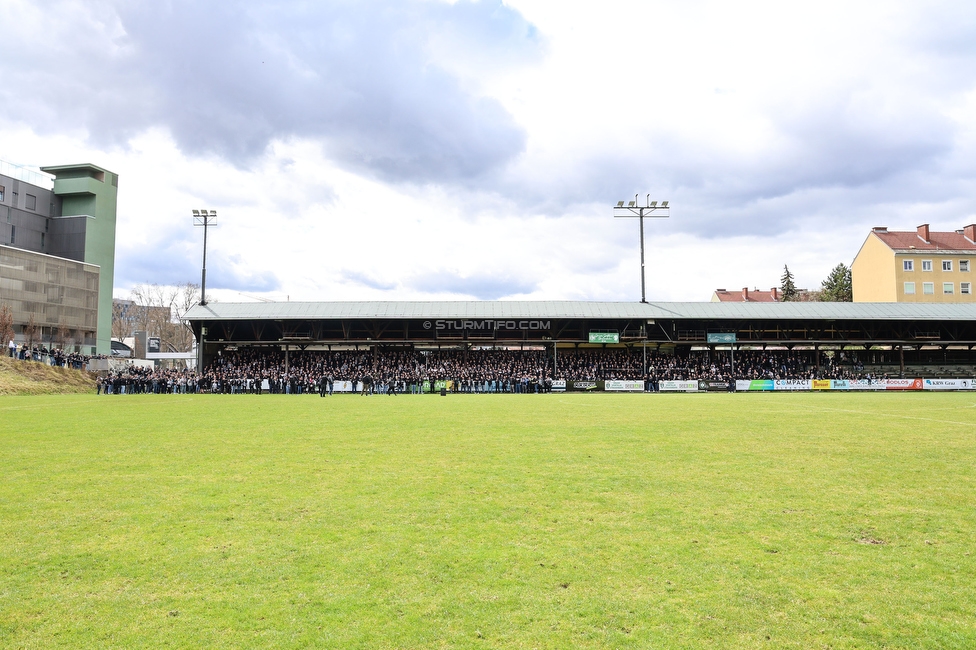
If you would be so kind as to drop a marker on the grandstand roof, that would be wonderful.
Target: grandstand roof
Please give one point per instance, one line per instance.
(567, 309)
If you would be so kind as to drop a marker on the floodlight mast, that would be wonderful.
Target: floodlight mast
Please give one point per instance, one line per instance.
(651, 209)
(205, 218)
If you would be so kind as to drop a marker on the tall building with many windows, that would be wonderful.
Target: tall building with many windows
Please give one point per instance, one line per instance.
(916, 266)
(57, 253)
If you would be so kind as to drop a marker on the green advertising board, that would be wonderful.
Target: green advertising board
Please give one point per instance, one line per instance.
(722, 337)
(604, 337)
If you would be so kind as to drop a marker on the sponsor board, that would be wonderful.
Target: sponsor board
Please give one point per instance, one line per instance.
(559, 385)
(903, 384)
(820, 384)
(604, 337)
(346, 387)
(584, 385)
(713, 386)
(947, 384)
(754, 384)
(793, 384)
(624, 385)
(720, 337)
(865, 384)
(678, 386)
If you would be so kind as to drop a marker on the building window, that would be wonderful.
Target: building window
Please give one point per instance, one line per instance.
(946, 265)
(30, 202)
(908, 265)
(947, 287)
(964, 265)
(42, 240)
(926, 265)
(13, 234)
(910, 288)
(964, 288)
(1, 192)
(928, 287)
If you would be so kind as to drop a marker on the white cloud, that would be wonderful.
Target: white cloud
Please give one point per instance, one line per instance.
(474, 149)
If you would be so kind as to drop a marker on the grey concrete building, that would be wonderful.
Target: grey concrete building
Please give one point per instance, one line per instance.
(57, 253)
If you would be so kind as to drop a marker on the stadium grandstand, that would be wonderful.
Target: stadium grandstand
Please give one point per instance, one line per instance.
(514, 346)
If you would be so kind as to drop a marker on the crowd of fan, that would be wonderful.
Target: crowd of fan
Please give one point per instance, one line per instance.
(52, 356)
(476, 371)
(252, 370)
(135, 380)
(398, 371)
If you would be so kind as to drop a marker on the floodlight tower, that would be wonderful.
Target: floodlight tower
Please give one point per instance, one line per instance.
(205, 218)
(651, 209)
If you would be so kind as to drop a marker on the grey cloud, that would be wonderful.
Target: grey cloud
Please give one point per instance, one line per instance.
(172, 258)
(227, 78)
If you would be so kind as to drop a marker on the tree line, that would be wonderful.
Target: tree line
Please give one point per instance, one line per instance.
(159, 311)
(837, 287)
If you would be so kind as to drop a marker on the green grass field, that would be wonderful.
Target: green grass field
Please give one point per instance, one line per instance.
(495, 521)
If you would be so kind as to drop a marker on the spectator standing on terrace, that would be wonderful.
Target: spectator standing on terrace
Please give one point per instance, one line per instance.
(12, 349)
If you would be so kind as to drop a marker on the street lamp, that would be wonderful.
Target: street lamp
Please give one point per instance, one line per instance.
(650, 209)
(205, 218)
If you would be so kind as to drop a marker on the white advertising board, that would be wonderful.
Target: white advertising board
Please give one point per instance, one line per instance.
(947, 384)
(793, 384)
(559, 385)
(678, 386)
(620, 385)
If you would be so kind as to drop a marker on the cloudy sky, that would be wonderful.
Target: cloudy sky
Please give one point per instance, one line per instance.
(438, 150)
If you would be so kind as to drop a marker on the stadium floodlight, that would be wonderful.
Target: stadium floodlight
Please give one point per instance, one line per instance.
(649, 209)
(205, 218)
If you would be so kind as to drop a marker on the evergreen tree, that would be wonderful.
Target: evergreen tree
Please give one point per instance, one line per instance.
(787, 289)
(837, 287)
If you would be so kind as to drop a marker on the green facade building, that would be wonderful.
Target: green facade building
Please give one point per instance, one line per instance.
(53, 224)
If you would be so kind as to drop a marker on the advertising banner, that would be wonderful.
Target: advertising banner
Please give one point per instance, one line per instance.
(720, 337)
(865, 384)
(584, 385)
(947, 384)
(635, 386)
(792, 384)
(678, 386)
(713, 386)
(903, 384)
(821, 384)
(754, 384)
(604, 337)
(559, 385)
(346, 387)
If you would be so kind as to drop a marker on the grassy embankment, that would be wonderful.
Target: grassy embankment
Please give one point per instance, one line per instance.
(30, 378)
(557, 521)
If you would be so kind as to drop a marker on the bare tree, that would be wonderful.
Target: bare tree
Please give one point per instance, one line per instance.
(187, 295)
(124, 316)
(161, 312)
(30, 331)
(63, 332)
(6, 326)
